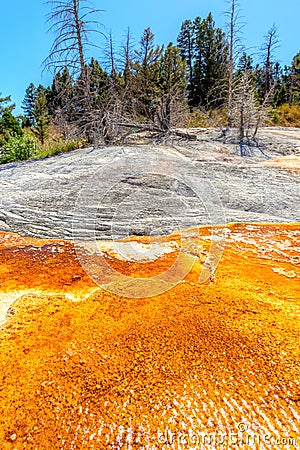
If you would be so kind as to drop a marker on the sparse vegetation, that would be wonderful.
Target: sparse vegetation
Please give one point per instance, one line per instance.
(54, 147)
(207, 79)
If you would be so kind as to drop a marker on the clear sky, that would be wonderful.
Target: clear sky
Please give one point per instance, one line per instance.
(24, 41)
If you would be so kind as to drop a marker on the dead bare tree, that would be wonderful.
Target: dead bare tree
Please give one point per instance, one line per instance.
(234, 27)
(72, 23)
(247, 114)
(151, 94)
(243, 110)
(271, 42)
(127, 63)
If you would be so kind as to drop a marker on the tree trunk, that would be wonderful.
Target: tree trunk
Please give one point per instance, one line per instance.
(231, 62)
(79, 36)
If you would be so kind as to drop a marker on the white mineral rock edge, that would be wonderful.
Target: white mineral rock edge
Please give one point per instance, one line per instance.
(131, 251)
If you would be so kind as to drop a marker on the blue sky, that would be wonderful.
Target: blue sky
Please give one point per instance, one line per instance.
(24, 42)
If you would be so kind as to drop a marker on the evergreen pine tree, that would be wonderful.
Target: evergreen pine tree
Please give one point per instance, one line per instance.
(28, 104)
(171, 87)
(146, 76)
(204, 48)
(3, 104)
(41, 115)
(9, 125)
(99, 84)
(294, 81)
(210, 63)
(186, 44)
(62, 104)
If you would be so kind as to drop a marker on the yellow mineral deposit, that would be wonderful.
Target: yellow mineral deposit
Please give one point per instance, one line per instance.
(199, 365)
(289, 162)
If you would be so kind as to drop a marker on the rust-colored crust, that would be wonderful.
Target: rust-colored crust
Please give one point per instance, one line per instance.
(106, 371)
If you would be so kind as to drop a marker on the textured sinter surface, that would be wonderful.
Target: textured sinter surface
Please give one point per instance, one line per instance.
(38, 198)
(190, 368)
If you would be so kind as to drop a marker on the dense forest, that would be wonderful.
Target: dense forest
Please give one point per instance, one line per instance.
(206, 79)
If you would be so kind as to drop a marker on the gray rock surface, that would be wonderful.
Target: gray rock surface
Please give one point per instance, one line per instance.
(115, 192)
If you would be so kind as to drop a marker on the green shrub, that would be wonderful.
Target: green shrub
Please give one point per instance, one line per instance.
(54, 148)
(286, 116)
(17, 148)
